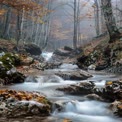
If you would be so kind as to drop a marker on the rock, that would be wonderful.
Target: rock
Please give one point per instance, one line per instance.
(94, 97)
(112, 91)
(53, 65)
(11, 71)
(118, 62)
(115, 69)
(82, 88)
(15, 78)
(26, 60)
(20, 103)
(74, 75)
(101, 67)
(24, 108)
(120, 39)
(3, 49)
(32, 49)
(9, 60)
(46, 65)
(116, 108)
(2, 82)
(81, 61)
(68, 48)
(40, 66)
(91, 67)
(67, 52)
(38, 58)
(58, 105)
(8, 72)
(77, 51)
(62, 52)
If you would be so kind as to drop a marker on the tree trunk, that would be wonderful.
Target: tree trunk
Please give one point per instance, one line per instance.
(75, 25)
(110, 20)
(7, 21)
(102, 23)
(18, 28)
(97, 23)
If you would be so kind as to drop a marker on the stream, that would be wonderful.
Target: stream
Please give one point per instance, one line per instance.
(77, 108)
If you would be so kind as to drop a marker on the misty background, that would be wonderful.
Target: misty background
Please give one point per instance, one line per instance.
(62, 22)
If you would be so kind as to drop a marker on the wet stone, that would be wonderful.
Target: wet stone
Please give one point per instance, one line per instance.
(19, 103)
(82, 88)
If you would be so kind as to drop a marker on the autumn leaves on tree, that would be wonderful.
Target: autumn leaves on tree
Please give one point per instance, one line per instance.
(19, 11)
(32, 20)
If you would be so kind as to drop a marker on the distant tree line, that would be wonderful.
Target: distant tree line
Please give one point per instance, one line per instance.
(29, 21)
(25, 20)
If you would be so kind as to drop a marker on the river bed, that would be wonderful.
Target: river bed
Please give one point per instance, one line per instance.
(77, 108)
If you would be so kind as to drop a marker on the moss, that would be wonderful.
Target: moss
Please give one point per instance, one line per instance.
(9, 60)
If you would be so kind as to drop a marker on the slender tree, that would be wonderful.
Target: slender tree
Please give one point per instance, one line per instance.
(110, 20)
(75, 25)
(97, 22)
(7, 22)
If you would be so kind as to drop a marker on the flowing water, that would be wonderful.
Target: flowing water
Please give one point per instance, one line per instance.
(76, 108)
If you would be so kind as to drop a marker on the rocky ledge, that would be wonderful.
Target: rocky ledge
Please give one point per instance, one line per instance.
(19, 103)
(74, 75)
(82, 88)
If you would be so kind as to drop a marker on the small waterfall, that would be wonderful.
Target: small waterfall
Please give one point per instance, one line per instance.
(31, 79)
(100, 83)
(47, 55)
(50, 79)
(86, 111)
(71, 106)
(87, 107)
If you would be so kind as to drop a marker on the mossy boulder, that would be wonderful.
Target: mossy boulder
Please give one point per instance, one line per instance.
(8, 72)
(9, 60)
(20, 103)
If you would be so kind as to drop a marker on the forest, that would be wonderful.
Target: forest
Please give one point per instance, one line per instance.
(61, 60)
